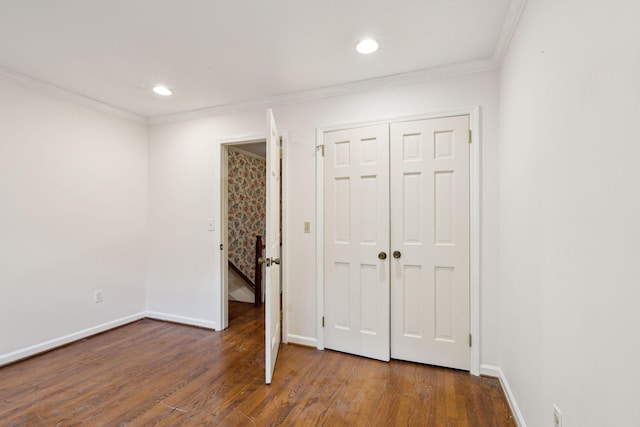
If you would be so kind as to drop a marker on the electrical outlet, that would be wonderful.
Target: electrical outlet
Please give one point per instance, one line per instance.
(99, 296)
(307, 226)
(557, 417)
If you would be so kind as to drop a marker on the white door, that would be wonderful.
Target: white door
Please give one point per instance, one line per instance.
(356, 241)
(430, 241)
(272, 249)
(406, 197)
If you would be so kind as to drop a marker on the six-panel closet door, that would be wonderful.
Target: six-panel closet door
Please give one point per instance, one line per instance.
(356, 234)
(396, 239)
(430, 239)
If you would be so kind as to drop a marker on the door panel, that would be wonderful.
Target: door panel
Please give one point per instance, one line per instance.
(430, 229)
(356, 230)
(272, 249)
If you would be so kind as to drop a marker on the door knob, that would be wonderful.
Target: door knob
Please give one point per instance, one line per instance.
(382, 255)
(397, 254)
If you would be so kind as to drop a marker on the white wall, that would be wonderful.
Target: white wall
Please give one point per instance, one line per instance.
(184, 175)
(570, 213)
(73, 219)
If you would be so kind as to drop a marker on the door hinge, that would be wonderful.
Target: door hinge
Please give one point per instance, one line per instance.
(470, 340)
(321, 148)
(323, 321)
(470, 136)
(281, 153)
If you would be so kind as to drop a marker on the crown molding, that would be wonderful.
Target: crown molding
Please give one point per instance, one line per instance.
(58, 92)
(448, 71)
(509, 27)
(516, 8)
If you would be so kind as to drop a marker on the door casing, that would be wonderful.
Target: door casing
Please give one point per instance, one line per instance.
(474, 205)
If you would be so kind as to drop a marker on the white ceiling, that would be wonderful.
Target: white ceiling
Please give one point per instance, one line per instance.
(214, 53)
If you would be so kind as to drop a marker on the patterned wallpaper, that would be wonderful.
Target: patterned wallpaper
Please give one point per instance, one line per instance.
(247, 198)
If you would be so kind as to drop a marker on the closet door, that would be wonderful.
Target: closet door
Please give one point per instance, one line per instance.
(356, 241)
(430, 241)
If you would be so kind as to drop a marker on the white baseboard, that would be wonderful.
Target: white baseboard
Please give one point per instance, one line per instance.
(494, 371)
(181, 319)
(76, 336)
(302, 340)
(490, 371)
(57, 342)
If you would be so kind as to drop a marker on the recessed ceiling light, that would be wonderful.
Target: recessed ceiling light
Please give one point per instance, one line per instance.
(161, 90)
(367, 46)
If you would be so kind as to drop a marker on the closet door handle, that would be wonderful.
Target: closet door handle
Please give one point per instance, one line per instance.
(382, 255)
(397, 254)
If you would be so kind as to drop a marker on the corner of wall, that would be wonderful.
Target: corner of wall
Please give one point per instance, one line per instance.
(496, 372)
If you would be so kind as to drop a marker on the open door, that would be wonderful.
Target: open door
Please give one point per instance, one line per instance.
(272, 244)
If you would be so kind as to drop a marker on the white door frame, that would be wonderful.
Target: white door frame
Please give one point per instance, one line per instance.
(224, 143)
(474, 205)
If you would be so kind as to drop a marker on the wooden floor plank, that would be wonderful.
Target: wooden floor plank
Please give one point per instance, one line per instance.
(163, 374)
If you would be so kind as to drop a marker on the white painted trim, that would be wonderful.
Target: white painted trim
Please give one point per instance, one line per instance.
(475, 204)
(395, 118)
(509, 27)
(191, 321)
(475, 238)
(67, 339)
(319, 238)
(59, 92)
(490, 371)
(419, 76)
(242, 139)
(302, 340)
(223, 320)
(284, 272)
(496, 372)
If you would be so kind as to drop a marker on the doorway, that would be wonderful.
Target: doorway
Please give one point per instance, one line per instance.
(243, 223)
(274, 259)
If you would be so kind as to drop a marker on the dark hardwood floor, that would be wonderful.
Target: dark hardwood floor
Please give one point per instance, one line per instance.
(152, 373)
